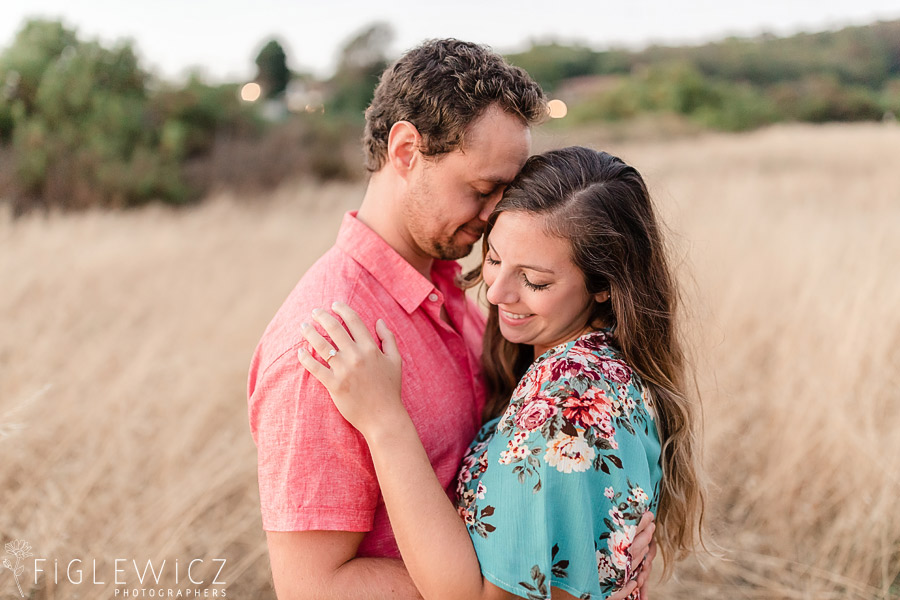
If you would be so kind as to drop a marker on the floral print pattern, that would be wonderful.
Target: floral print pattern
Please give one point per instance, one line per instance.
(551, 492)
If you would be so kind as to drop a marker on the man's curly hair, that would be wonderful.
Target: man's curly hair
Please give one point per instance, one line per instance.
(442, 87)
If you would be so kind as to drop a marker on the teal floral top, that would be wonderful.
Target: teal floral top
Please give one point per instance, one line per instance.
(551, 492)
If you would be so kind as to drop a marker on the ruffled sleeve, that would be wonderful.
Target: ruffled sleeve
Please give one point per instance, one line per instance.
(557, 485)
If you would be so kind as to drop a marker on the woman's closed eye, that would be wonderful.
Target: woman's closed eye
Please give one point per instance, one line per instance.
(525, 281)
(533, 286)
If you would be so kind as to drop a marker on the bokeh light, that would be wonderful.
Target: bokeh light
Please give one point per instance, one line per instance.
(251, 92)
(557, 109)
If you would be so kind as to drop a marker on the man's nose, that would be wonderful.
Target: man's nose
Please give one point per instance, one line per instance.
(489, 205)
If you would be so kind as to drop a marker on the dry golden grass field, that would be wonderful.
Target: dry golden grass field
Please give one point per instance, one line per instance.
(125, 339)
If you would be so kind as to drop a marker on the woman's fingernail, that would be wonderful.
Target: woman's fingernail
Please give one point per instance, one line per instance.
(304, 325)
(316, 311)
(337, 304)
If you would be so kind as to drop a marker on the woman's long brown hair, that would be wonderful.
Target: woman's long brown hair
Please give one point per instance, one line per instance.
(602, 207)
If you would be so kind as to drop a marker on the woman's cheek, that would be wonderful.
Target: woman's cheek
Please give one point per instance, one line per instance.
(487, 273)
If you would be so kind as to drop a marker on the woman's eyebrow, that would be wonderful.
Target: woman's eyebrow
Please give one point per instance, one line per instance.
(529, 267)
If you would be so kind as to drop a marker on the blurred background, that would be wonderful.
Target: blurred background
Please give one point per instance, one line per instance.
(169, 171)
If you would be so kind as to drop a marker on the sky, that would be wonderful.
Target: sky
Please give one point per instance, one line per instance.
(221, 38)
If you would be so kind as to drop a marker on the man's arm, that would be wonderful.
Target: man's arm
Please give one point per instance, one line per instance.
(311, 515)
(320, 565)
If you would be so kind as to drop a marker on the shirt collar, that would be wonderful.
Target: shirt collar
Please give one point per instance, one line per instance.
(401, 280)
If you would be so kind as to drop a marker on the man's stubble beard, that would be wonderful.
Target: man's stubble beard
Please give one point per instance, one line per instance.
(442, 249)
(448, 251)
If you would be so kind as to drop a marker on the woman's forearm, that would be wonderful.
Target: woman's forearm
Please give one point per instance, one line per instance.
(432, 538)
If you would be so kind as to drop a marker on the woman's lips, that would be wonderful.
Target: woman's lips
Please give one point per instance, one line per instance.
(514, 319)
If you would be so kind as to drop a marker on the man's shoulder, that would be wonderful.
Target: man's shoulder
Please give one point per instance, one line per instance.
(334, 272)
(334, 276)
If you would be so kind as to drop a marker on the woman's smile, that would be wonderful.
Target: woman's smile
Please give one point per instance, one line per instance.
(539, 292)
(514, 319)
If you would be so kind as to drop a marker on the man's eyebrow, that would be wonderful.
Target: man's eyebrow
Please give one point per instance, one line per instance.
(494, 180)
(529, 267)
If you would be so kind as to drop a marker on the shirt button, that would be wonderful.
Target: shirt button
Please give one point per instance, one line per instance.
(433, 297)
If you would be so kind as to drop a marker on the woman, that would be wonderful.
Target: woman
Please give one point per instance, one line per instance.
(588, 421)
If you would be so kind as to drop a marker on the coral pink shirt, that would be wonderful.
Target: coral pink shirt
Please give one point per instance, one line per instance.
(315, 470)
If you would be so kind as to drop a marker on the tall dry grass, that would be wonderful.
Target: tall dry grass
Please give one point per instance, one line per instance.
(126, 337)
(792, 236)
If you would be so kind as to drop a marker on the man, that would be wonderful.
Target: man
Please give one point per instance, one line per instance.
(447, 130)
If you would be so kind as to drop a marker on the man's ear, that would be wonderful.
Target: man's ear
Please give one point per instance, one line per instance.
(403, 146)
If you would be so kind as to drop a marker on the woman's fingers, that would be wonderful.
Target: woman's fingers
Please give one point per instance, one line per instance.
(642, 539)
(626, 591)
(646, 568)
(388, 341)
(333, 327)
(641, 546)
(646, 520)
(354, 323)
(318, 342)
(315, 368)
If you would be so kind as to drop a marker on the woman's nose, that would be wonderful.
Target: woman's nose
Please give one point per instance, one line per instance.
(500, 292)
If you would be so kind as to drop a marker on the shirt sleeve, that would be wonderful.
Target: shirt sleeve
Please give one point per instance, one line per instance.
(315, 470)
(566, 481)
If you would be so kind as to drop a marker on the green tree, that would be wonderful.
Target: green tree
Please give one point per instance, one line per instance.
(81, 133)
(551, 63)
(272, 72)
(36, 46)
(363, 59)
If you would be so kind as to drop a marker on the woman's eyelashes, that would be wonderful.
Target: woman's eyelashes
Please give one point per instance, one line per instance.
(531, 286)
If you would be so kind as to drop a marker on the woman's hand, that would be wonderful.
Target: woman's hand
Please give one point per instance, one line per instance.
(642, 552)
(363, 380)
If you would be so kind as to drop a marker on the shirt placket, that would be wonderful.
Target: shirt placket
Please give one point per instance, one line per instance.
(454, 337)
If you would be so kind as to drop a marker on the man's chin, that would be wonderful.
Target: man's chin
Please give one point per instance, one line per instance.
(453, 251)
